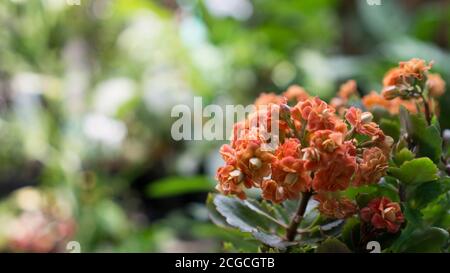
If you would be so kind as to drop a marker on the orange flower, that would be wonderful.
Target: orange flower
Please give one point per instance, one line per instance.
(290, 184)
(407, 72)
(362, 122)
(252, 159)
(288, 155)
(318, 115)
(269, 98)
(272, 191)
(394, 76)
(267, 116)
(228, 154)
(382, 213)
(415, 68)
(436, 85)
(326, 140)
(348, 89)
(373, 100)
(372, 168)
(325, 145)
(339, 171)
(402, 80)
(338, 104)
(296, 92)
(410, 105)
(335, 207)
(231, 181)
(288, 173)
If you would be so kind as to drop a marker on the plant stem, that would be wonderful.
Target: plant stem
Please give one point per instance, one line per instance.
(291, 231)
(427, 109)
(401, 192)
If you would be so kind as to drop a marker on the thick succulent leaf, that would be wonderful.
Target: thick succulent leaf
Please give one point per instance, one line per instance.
(428, 240)
(351, 232)
(273, 240)
(238, 214)
(290, 207)
(416, 171)
(214, 215)
(428, 138)
(427, 192)
(310, 218)
(402, 156)
(332, 245)
(267, 210)
(390, 128)
(363, 195)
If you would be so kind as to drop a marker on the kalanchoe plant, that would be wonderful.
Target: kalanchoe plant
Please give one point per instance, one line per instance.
(339, 176)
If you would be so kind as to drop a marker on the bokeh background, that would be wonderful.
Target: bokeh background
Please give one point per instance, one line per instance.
(86, 92)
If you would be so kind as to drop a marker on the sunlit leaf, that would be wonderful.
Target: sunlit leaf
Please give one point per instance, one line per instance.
(416, 171)
(428, 240)
(173, 186)
(332, 245)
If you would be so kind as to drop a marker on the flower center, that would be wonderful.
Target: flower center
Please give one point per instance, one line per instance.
(255, 163)
(291, 178)
(236, 174)
(389, 214)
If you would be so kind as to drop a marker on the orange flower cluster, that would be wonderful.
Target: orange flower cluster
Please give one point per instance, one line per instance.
(399, 88)
(402, 81)
(346, 91)
(374, 100)
(318, 152)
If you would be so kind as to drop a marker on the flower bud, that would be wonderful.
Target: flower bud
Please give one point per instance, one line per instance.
(391, 92)
(366, 117)
(329, 145)
(446, 135)
(389, 214)
(255, 163)
(311, 154)
(326, 112)
(237, 173)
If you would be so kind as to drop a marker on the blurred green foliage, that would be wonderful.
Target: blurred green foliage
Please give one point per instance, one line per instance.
(86, 93)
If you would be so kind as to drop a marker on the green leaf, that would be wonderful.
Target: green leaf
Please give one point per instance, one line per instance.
(364, 194)
(362, 199)
(214, 215)
(239, 215)
(416, 171)
(428, 240)
(173, 186)
(291, 207)
(390, 128)
(427, 192)
(351, 232)
(402, 156)
(428, 138)
(332, 245)
(265, 209)
(436, 213)
(273, 240)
